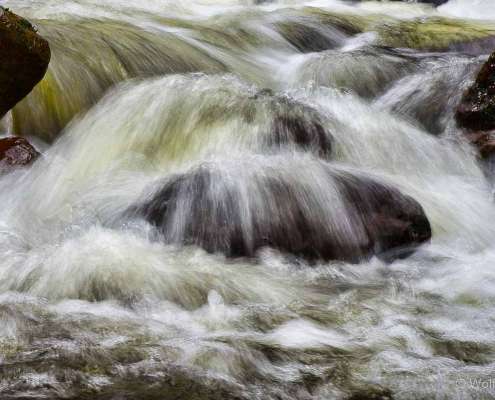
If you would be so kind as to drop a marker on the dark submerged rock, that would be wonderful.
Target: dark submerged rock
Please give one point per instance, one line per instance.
(16, 152)
(350, 218)
(475, 47)
(292, 124)
(296, 124)
(307, 38)
(305, 134)
(24, 59)
(433, 2)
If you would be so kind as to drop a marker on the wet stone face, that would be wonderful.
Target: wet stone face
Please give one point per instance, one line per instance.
(206, 207)
(25, 56)
(16, 152)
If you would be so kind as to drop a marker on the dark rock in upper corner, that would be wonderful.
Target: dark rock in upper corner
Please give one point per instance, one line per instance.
(24, 59)
(476, 112)
(477, 108)
(16, 152)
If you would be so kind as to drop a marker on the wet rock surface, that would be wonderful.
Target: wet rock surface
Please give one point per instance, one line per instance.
(477, 108)
(16, 152)
(476, 111)
(296, 125)
(208, 208)
(24, 59)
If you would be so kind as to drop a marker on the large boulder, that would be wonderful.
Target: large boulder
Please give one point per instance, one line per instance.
(16, 152)
(303, 207)
(24, 59)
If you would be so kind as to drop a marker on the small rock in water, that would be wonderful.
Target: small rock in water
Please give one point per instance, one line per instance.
(16, 152)
(24, 59)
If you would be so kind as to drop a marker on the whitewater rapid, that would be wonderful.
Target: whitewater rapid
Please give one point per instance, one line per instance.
(94, 305)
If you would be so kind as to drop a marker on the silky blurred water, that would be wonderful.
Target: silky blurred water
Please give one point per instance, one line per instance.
(94, 306)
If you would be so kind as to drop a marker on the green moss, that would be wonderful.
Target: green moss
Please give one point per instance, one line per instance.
(432, 33)
(88, 60)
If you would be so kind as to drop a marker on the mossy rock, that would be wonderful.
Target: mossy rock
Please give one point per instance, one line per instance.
(119, 51)
(25, 57)
(432, 34)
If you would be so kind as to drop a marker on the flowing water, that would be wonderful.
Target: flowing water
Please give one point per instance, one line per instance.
(94, 306)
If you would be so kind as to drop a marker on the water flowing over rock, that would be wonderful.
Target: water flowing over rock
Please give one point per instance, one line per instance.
(16, 152)
(307, 37)
(249, 200)
(435, 3)
(190, 117)
(432, 93)
(318, 214)
(24, 59)
(74, 82)
(366, 71)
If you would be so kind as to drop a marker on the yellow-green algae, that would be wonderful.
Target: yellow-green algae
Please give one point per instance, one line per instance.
(432, 33)
(89, 57)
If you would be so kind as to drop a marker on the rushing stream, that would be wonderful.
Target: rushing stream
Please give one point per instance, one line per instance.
(93, 305)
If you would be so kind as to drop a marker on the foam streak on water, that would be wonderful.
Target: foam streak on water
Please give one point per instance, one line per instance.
(94, 305)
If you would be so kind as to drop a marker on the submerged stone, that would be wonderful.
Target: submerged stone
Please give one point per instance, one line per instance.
(16, 152)
(24, 59)
(307, 38)
(366, 71)
(304, 208)
(475, 47)
(435, 3)
(294, 125)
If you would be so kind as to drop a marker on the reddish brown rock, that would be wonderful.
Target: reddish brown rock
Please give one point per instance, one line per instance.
(483, 141)
(24, 58)
(16, 152)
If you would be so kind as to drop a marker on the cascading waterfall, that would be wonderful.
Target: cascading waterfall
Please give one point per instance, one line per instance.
(170, 129)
